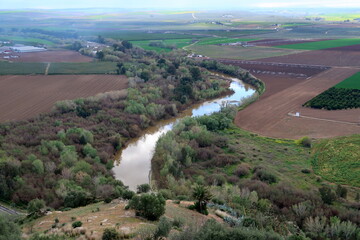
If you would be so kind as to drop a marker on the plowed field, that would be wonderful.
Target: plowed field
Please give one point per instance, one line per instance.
(343, 56)
(51, 56)
(22, 97)
(270, 115)
(278, 42)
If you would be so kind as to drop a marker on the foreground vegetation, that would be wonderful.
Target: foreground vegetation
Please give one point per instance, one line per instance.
(337, 160)
(65, 157)
(261, 183)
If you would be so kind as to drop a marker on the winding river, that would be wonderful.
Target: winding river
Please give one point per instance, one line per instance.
(133, 163)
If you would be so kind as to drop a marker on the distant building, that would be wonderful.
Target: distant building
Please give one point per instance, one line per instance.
(27, 49)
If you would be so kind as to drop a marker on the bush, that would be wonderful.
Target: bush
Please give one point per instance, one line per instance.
(76, 224)
(149, 206)
(35, 207)
(341, 191)
(163, 228)
(304, 141)
(110, 234)
(242, 171)
(8, 229)
(327, 195)
(143, 188)
(264, 176)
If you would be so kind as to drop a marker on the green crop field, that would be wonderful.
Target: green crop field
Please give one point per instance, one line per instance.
(352, 82)
(322, 44)
(7, 68)
(26, 40)
(214, 40)
(142, 36)
(178, 43)
(337, 160)
(83, 68)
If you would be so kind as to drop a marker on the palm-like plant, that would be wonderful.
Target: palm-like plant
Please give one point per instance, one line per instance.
(203, 196)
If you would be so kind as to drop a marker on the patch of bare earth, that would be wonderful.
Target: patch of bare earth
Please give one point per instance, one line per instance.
(269, 116)
(51, 56)
(23, 97)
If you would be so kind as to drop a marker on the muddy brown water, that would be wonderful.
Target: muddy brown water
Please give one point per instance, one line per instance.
(133, 163)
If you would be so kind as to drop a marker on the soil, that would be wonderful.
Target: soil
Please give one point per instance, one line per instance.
(278, 42)
(23, 97)
(50, 56)
(269, 116)
(343, 57)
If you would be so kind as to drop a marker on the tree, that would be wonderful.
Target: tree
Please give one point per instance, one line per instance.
(100, 39)
(145, 75)
(143, 188)
(8, 229)
(100, 55)
(110, 234)
(38, 166)
(195, 73)
(203, 196)
(341, 191)
(35, 207)
(327, 195)
(149, 206)
(127, 44)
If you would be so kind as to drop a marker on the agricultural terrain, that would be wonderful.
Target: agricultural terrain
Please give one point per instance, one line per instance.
(24, 97)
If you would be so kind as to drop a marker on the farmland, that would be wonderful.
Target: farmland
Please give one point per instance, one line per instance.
(352, 82)
(269, 116)
(169, 43)
(52, 56)
(239, 52)
(23, 97)
(215, 41)
(320, 45)
(26, 40)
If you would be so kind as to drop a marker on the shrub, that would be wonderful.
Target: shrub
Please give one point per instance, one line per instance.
(242, 171)
(128, 194)
(327, 195)
(149, 206)
(163, 228)
(8, 229)
(76, 224)
(341, 191)
(143, 188)
(35, 207)
(304, 141)
(265, 176)
(110, 234)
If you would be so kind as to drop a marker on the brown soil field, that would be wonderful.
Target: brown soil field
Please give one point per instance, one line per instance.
(278, 42)
(282, 69)
(22, 97)
(334, 57)
(269, 116)
(51, 56)
(353, 48)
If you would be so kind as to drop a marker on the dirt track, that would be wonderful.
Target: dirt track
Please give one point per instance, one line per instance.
(269, 116)
(22, 97)
(51, 56)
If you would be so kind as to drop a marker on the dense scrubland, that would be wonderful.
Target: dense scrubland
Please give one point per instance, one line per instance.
(267, 186)
(65, 157)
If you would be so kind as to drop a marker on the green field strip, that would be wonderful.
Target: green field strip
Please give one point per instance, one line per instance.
(83, 68)
(10, 68)
(352, 82)
(26, 40)
(322, 44)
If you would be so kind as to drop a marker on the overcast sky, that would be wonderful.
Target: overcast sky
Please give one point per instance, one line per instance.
(175, 4)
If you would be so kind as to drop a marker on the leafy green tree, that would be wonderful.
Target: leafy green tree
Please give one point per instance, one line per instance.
(38, 166)
(127, 44)
(143, 188)
(9, 229)
(163, 228)
(203, 196)
(145, 75)
(100, 55)
(149, 206)
(327, 195)
(110, 234)
(35, 207)
(195, 74)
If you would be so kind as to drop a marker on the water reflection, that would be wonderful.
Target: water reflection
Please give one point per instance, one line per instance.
(134, 162)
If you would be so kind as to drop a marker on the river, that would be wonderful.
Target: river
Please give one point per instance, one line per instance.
(133, 163)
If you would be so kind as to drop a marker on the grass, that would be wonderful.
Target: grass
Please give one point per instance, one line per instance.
(238, 52)
(26, 40)
(7, 68)
(337, 160)
(142, 35)
(83, 68)
(322, 44)
(214, 40)
(352, 82)
(179, 43)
